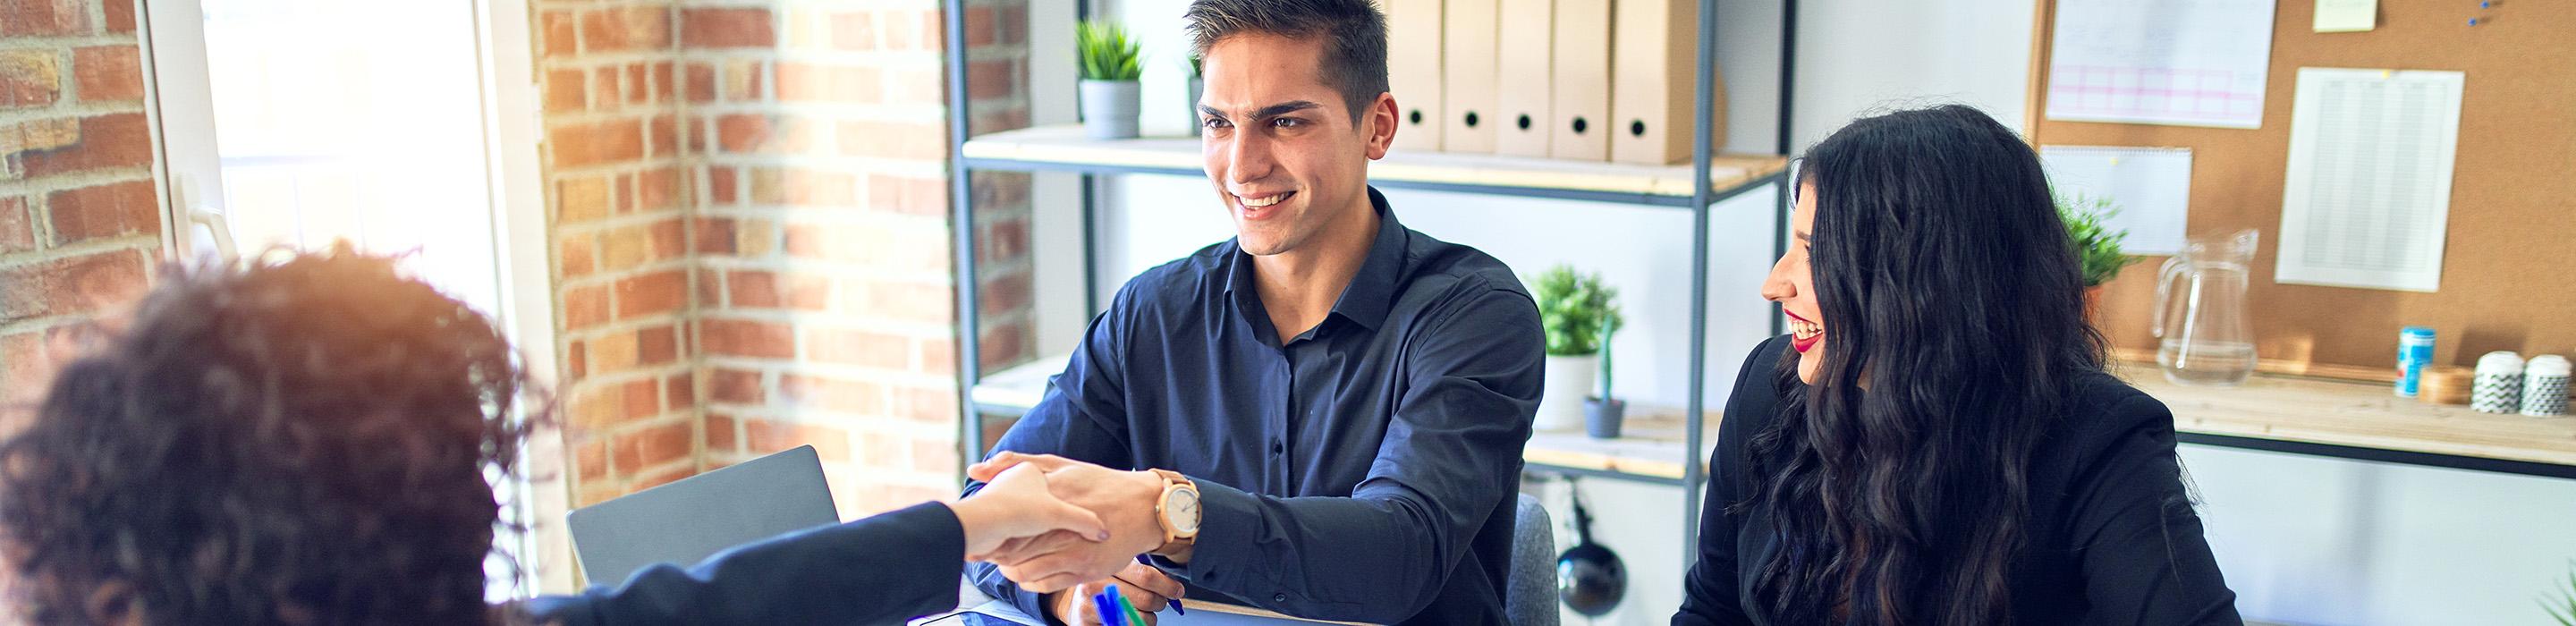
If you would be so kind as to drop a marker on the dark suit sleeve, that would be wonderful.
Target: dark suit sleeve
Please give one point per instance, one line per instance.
(1081, 417)
(879, 570)
(1710, 590)
(2143, 557)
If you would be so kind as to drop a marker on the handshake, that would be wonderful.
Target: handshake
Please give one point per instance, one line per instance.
(1068, 529)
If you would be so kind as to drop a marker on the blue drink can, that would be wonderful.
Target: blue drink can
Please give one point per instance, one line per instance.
(2414, 353)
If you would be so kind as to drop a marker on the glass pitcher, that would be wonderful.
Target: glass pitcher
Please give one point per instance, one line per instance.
(2200, 312)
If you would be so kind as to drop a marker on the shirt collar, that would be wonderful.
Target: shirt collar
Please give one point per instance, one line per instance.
(1371, 292)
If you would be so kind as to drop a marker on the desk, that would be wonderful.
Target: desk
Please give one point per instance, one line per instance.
(2359, 420)
(1201, 613)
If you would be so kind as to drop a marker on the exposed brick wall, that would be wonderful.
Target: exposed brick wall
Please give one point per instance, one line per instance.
(79, 223)
(752, 235)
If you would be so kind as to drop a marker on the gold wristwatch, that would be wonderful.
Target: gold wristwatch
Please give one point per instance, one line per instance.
(1178, 510)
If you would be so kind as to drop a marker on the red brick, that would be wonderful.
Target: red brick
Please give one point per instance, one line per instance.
(655, 446)
(1014, 25)
(592, 460)
(720, 185)
(108, 73)
(627, 29)
(604, 88)
(693, 137)
(911, 302)
(1000, 296)
(913, 30)
(721, 437)
(650, 294)
(120, 16)
(17, 234)
(742, 78)
(626, 247)
(656, 346)
(909, 195)
(768, 290)
(830, 394)
(816, 188)
(805, 82)
(748, 338)
(577, 256)
(766, 436)
(859, 347)
(918, 86)
(1004, 240)
(29, 78)
(578, 361)
(926, 404)
(939, 356)
(700, 82)
(726, 28)
(565, 91)
(70, 285)
(612, 352)
(980, 29)
(735, 386)
(1004, 345)
(560, 33)
(854, 31)
(621, 194)
(996, 78)
(641, 399)
(638, 89)
(680, 390)
(106, 141)
(577, 145)
(36, 18)
(659, 188)
(742, 132)
(581, 199)
(662, 477)
(714, 235)
(662, 85)
(110, 210)
(934, 456)
(893, 140)
(585, 307)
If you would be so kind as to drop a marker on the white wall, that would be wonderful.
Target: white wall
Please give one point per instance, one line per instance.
(2302, 540)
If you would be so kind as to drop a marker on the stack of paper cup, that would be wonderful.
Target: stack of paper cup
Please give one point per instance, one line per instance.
(2544, 386)
(2498, 388)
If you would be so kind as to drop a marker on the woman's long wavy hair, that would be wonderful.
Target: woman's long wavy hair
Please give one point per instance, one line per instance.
(305, 441)
(1898, 481)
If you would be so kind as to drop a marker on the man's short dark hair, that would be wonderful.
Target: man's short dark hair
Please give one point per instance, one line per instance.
(305, 441)
(1354, 35)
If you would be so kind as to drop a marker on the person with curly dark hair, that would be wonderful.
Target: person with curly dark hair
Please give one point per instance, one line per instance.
(314, 440)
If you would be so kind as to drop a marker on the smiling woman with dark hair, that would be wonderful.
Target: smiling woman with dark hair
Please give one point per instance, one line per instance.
(1937, 442)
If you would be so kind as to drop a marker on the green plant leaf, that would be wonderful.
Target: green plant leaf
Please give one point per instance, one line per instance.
(2097, 248)
(1106, 52)
(1574, 309)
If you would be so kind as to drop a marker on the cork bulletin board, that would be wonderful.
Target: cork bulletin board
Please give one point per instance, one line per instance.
(2509, 268)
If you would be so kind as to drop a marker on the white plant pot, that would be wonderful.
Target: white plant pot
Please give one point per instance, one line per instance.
(1109, 108)
(1569, 379)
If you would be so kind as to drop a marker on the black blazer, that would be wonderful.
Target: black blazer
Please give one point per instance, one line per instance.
(880, 570)
(2113, 539)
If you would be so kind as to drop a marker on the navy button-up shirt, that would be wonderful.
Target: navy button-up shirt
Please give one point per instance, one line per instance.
(1362, 470)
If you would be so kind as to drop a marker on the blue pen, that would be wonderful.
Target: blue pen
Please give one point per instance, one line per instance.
(1108, 616)
(1176, 604)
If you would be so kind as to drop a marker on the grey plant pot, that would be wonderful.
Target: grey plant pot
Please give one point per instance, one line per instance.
(1198, 86)
(1109, 108)
(1602, 418)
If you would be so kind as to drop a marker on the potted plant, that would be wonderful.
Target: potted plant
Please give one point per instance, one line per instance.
(2096, 246)
(1573, 309)
(1109, 87)
(1603, 413)
(1198, 86)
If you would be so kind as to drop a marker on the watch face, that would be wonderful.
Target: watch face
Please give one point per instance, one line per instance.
(1181, 510)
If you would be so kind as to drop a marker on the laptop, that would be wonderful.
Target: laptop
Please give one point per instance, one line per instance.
(693, 518)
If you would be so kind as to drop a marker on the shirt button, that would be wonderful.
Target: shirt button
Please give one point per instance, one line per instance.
(1278, 447)
(1278, 597)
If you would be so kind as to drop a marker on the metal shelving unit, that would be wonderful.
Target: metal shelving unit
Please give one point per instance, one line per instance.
(1708, 179)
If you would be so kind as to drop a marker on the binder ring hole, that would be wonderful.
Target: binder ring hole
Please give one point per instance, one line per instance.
(1525, 121)
(1471, 119)
(1637, 128)
(1416, 117)
(1580, 125)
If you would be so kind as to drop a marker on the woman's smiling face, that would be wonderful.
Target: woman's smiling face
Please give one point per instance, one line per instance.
(1793, 284)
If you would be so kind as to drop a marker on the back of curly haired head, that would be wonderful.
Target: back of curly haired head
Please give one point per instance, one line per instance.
(298, 441)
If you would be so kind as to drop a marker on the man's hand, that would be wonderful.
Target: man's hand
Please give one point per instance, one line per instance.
(1016, 505)
(1124, 500)
(1145, 588)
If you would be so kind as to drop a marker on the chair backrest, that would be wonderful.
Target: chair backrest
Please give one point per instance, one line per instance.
(1531, 598)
